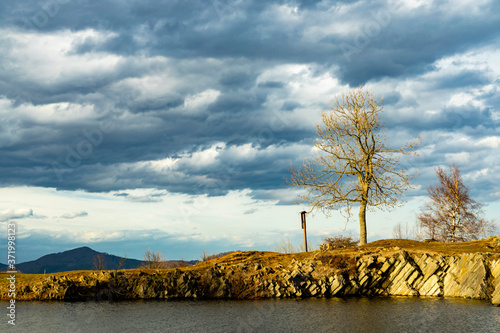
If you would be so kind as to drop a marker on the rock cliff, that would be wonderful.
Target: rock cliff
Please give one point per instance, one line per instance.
(322, 274)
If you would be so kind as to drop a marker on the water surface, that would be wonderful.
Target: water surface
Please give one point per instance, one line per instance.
(305, 315)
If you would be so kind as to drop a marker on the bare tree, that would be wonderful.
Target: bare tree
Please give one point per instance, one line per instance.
(452, 215)
(398, 232)
(100, 262)
(121, 261)
(352, 163)
(405, 231)
(153, 260)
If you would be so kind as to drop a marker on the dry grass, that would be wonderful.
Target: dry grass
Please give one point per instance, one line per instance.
(482, 245)
(205, 256)
(343, 264)
(287, 247)
(271, 259)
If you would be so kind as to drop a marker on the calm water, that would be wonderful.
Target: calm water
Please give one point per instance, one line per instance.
(309, 315)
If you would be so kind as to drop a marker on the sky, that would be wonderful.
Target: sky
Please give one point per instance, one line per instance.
(171, 125)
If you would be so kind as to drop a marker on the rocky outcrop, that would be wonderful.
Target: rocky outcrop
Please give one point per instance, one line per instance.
(468, 276)
(328, 274)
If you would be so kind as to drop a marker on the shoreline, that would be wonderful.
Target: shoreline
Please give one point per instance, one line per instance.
(418, 269)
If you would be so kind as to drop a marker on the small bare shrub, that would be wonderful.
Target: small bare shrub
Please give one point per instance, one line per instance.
(286, 246)
(100, 262)
(404, 231)
(120, 262)
(340, 241)
(153, 260)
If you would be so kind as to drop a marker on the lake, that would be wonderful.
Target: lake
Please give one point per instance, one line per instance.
(392, 314)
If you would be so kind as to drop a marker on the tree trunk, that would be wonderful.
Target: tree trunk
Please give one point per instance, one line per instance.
(362, 223)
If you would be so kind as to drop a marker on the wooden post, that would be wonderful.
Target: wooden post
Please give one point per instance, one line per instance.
(303, 218)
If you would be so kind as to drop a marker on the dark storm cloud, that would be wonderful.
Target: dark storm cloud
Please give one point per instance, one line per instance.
(290, 105)
(271, 84)
(383, 41)
(463, 79)
(451, 118)
(93, 91)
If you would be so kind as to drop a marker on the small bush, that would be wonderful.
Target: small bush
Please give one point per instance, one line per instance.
(153, 260)
(339, 242)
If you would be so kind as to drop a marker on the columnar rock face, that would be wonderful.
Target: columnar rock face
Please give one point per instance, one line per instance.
(495, 276)
(401, 273)
(469, 276)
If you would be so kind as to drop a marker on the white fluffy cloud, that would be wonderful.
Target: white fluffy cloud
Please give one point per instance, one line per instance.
(12, 214)
(73, 215)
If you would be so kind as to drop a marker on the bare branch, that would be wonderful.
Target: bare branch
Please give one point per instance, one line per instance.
(153, 260)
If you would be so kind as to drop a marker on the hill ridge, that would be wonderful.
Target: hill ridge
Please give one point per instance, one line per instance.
(80, 258)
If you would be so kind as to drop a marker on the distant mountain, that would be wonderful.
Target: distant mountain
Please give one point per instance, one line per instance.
(82, 258)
